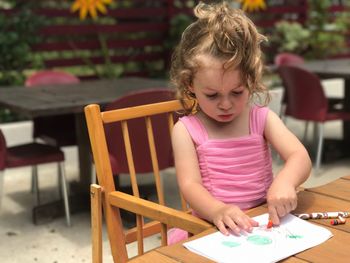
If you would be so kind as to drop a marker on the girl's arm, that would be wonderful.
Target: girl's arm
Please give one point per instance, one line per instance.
(281, 197)
(190, 183)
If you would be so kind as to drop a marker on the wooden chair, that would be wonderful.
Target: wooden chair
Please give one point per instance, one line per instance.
(113, 201)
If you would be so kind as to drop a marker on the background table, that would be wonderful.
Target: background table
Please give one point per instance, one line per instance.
(53, 100)
(334, 196)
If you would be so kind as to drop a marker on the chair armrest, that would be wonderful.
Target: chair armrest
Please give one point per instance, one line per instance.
(163, 214)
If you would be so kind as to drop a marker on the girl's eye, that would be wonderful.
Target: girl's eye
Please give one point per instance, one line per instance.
(211, 96)
(237, 93)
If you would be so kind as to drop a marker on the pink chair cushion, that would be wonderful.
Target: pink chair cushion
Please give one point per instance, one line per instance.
(46, 77)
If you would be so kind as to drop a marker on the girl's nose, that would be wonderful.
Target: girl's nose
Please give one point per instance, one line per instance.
(225, 104)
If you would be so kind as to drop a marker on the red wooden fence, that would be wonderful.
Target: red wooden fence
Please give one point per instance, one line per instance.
(133, 33)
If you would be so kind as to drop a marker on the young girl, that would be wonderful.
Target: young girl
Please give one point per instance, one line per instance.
(221, 149)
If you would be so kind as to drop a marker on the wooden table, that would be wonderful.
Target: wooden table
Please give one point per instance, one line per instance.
(54, 100)
(334, 196)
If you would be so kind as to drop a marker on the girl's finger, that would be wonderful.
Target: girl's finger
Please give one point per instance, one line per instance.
(281, 210)
(222, 228)
(253, 222)
(273, 215)
(232, 226)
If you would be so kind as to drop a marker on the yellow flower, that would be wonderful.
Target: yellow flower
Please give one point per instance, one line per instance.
(90, 7)
(252, 5)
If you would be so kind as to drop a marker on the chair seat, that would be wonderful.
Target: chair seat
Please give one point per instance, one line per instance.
(338, 115)
(32, 154)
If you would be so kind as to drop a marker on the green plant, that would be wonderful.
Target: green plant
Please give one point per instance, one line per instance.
(322, 35)
(18, 34)
(327, 34)
(290, 37)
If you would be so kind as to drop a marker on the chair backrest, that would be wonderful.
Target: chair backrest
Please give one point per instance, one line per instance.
(138, 134)
(114, 200)
(47, 77)
(286, 58)
(305, 96)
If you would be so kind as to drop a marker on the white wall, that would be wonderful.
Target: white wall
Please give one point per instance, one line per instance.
(17, 132)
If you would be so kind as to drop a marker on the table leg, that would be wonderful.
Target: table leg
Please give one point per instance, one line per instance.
(79, 197)
(85, 161)
(346, 124)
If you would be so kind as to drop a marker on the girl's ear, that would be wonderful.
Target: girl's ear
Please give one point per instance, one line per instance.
(190, 92)
(190, 88)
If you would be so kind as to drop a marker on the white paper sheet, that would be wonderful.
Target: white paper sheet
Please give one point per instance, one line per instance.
(262, 245)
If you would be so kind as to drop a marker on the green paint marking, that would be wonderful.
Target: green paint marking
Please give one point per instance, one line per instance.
(295, 236)
(259, 240)
(230, 244)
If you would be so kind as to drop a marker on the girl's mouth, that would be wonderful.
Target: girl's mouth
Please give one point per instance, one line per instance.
(225, 116)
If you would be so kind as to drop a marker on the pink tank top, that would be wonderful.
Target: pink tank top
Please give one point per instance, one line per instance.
(236, 170)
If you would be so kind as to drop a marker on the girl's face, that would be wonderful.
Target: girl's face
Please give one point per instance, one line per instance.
(220, 92)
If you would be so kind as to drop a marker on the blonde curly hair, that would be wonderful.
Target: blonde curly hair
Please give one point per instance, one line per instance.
(225, 33)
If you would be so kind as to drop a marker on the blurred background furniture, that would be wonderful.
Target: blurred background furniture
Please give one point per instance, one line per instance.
(138, 134)
(114, 200)
(55, 130)
(34, 154)
(286, 58)
(306, 101)
(57, 99)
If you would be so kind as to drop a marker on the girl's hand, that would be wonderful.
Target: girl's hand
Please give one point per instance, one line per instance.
(232, 218)
(281, 199)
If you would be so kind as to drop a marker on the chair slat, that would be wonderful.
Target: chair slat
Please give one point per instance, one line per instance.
(153, 152)
(134, 185)
(129, 157)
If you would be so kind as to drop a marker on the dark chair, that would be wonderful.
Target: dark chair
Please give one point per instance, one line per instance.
(33, 154)
(286, 58)
(138, 134)
(54, 130)
(306, 101)
(291, 59)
